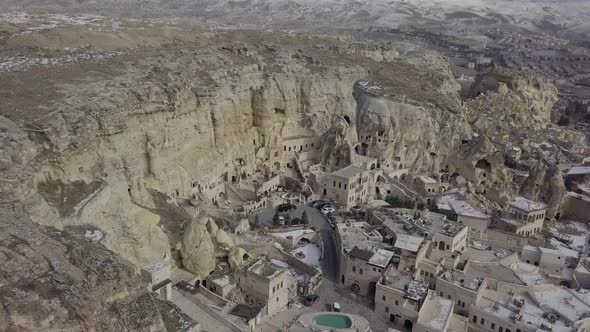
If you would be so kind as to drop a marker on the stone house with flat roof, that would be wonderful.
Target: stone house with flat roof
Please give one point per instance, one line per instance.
(265, 284)
(526, 216)
(361, 269)
(351, 185)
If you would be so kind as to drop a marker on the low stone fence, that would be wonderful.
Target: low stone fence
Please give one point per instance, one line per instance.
(253, 206)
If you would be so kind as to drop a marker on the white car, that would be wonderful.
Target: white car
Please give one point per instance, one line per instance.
(327, 209)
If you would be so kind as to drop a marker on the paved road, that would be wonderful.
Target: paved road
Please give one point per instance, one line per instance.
(330, 261)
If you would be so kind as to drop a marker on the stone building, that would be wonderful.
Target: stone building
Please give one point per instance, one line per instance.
(399, 297)
(361, 269)
(525, 217)
(449, 238)
(436, 315)
(510, 308)
(460, 288)
(157, 275)
(350, 186)
(220, 282)
(471, 216)
(426, 186)
(550, 261)
(265, 284)
(578, 179)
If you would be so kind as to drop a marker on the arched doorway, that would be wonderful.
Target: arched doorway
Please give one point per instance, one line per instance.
(408, 324)
(355, 288)
(347, 119)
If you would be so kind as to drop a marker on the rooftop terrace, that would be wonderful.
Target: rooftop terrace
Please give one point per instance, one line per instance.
(414, 288)
(361, 235)
(465, 208)
(265, 269)
(460, 279)
(402, 221)
(448, 228)
(526, 205)
(348, 172)
(492, 270)
(435, 312)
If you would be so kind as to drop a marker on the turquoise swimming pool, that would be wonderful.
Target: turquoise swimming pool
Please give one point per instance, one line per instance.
(332, 320)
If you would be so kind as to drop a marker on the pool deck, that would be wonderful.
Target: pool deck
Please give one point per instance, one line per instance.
(307, 323)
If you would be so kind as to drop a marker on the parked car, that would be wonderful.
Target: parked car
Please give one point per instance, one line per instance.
(356, 209)
(311, 299)
(326, 209)
(336, 307)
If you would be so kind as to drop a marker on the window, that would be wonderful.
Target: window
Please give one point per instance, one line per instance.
(277, 299)
(273, 290)
(441, 294)
(500, 329)
(493, 326)
(475, 319)
(507, 330)
(518, 330)
(386, 309)
(354, 269)
(396, 302)
(449, 297)
(482, 321)
(361, 271)
(384, 297)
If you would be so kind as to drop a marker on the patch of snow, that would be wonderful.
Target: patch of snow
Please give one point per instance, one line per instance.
(464, 208)
(223, 281)
(311, 254)
(94, 235)
(575, 232)
(527, 205)
(13, 64)
(85, 201)
(293, 234)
